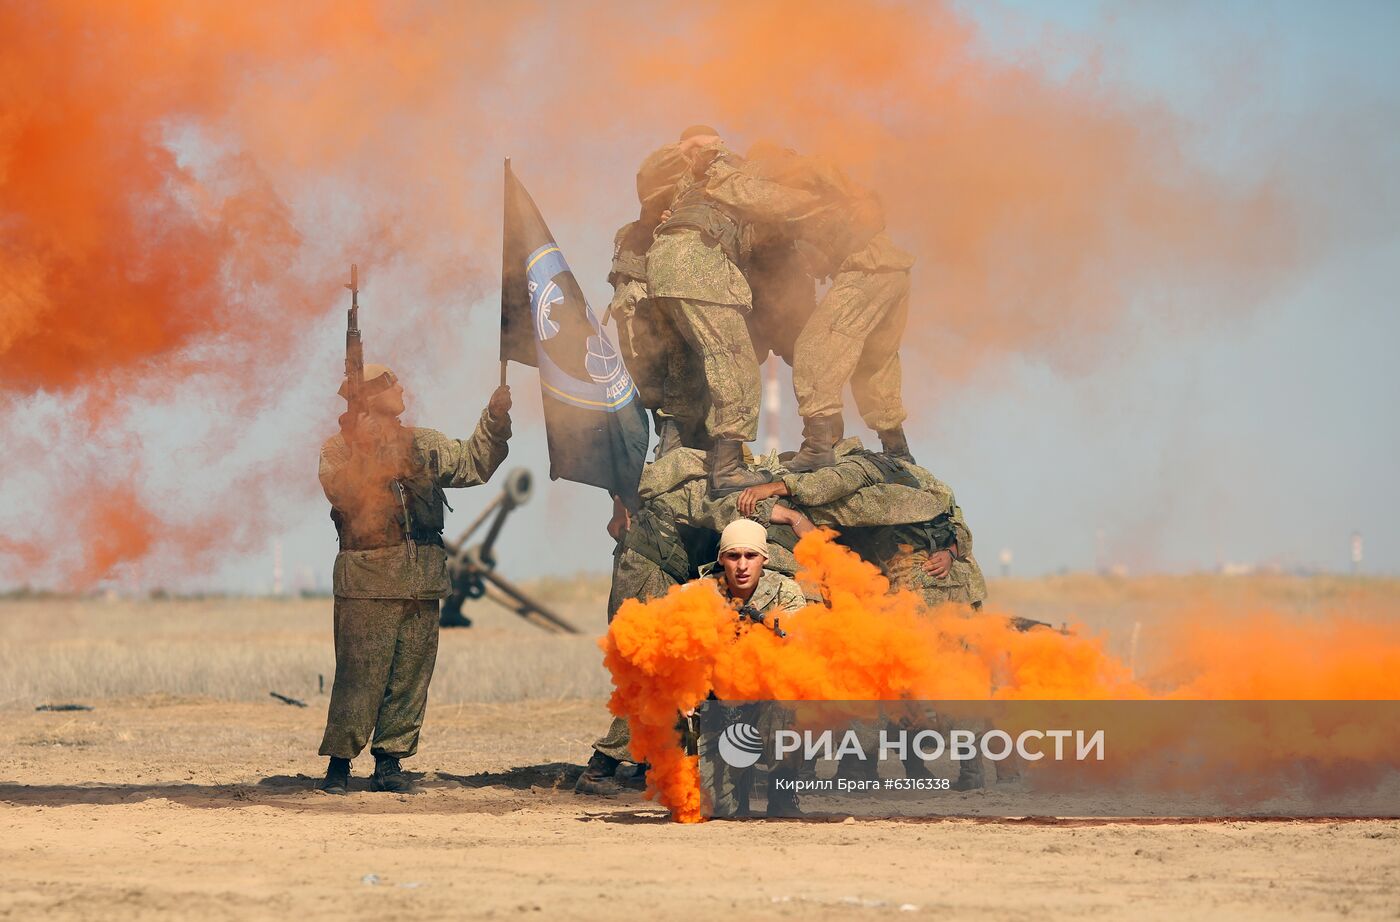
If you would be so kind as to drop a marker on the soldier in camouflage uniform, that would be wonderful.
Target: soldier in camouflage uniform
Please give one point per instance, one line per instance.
(904, 520)
(893, 513)
(693, 274)
(761, 596)
(666, 369)
(662, 545)
(385, 484)
(853, 335)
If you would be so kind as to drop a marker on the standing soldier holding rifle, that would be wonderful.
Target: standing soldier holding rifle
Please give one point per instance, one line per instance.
(385, 484)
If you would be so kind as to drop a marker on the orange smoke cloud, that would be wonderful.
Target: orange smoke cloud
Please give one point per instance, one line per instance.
(182, 186)
(1039, 209)
(164, 234)
(867, 644)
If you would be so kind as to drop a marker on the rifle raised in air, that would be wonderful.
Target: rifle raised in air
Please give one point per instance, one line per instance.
(354, 354)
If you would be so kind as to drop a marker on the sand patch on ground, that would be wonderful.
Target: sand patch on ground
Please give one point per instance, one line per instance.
(165, 808)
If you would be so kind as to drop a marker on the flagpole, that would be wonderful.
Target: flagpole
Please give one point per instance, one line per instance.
(505, 219)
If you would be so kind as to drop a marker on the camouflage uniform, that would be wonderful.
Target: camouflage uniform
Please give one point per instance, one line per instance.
(667, 371)
(389, 576)
(895, 514)
(635, 576)
(854, 336)
(693, 274)
(774, 595)
(964, 582)
(678, 524)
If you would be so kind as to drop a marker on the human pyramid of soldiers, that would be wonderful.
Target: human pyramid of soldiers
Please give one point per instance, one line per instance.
(721, 267)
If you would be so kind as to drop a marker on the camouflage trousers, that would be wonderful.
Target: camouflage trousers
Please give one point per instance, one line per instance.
(634, 577)
(730, 789)
(666, 369)
(854, 336)
(385, 650)
(719, 335)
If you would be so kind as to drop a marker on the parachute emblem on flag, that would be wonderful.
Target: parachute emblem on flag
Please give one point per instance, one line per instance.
(545, 327)
(577, 365)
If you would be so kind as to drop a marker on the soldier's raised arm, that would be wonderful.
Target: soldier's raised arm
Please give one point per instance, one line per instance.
(471, 461)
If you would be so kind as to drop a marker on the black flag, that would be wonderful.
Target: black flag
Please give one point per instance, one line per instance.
(594, 420)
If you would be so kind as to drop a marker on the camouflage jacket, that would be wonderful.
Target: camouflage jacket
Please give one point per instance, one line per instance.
(675, 489)
(686, 263)
(879, 255)
(774, 592)
(390, 527)
(894, 525)
(964, 582)
(861, 491)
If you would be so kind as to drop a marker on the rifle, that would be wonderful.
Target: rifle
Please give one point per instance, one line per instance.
(354, 354)
(754, 616)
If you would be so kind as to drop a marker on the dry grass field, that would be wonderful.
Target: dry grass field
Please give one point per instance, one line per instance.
(186, 791)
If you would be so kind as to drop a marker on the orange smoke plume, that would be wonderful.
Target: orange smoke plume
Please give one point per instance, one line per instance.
(1039, 209)
(867, 644)
(182, 186)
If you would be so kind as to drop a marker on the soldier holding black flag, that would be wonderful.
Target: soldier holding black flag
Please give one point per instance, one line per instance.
(385, 483)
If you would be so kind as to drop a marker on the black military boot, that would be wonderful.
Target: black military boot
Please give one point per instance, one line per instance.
(337, 780)
(895, 444)
(668, 436)
(969, 775)
(725, 463)
(915, 768)
(782, 798)
(389, 776)
(599, 776)
(819, 437)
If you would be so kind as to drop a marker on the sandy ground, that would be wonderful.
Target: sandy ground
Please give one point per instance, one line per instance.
(166, 808)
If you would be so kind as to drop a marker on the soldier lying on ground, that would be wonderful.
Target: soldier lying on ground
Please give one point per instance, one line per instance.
(893, 513)
(922, 544)
(385, 484)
